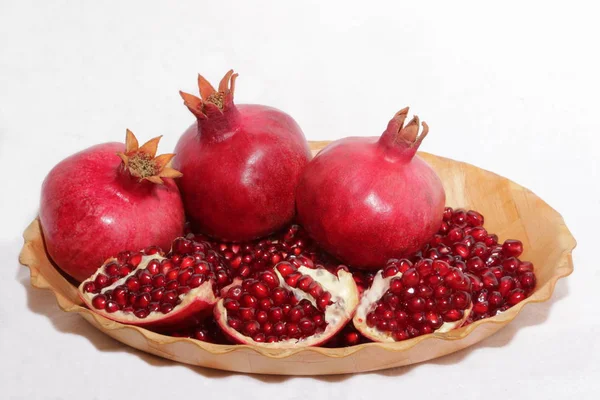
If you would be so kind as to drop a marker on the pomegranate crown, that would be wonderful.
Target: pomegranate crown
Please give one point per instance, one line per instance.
(408, 134)
(142, 162)
(211, 101)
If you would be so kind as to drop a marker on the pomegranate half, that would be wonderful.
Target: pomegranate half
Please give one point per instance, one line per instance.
(106, 198)
(288, 306)
(240, 163)
(158, 291)
(366, 200)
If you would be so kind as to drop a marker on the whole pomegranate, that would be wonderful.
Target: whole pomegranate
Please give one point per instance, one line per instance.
(240, 164)
(107, 198)
(366, 200)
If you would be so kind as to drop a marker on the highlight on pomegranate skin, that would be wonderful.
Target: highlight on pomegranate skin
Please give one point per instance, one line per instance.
(288, 307)
(240, 163)
(107, 198)
(366, 200)
(151, 289)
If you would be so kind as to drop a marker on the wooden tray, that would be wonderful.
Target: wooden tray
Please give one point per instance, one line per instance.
(511, 211)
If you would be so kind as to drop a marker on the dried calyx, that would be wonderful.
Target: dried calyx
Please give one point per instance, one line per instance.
(211, 101)
(142, 162)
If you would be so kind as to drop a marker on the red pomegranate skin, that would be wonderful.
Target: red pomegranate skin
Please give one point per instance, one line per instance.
(368, 199)
(240, 170)
(91, 208)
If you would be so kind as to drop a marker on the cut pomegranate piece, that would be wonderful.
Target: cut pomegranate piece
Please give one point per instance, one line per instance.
(149, 289)
(288, 306)
(405, 301)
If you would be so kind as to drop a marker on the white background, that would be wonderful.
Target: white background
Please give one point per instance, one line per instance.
(512, 88)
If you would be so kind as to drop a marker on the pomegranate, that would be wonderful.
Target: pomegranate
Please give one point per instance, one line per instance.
(240, 164)
(158, 291)
(405, 301)
(366, 200)
(106, 198)
(288, 306)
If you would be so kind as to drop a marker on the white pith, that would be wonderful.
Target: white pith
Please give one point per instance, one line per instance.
(204, 291)
(344, 299)
(368, 303)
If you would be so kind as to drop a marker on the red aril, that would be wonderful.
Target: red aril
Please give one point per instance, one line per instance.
(106, 198)
(240, 164)
(366, 200)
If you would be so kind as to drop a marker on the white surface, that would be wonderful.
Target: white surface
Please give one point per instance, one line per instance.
(512, 88)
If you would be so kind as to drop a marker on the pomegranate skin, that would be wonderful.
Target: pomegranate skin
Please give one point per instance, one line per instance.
(240, 168)
(92, 208)
(366, 200)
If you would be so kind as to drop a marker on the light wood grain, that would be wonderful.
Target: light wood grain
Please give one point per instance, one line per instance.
(511, 211)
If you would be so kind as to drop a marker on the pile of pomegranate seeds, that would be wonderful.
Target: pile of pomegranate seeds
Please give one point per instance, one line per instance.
(267, 312)
(499, 279)
(159, 285)
(249, 259)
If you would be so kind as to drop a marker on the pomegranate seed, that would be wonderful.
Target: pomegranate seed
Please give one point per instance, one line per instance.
(111, 269)
(496, 299)
(453, 315)
(265, 304)
(285, 269)
(275, 314)
(390, 270)
(396, 286)
(506, 285)
(279, 329)
(525, 266)
(251, 328)
(262, 316)
(99, 301)
(111, 306)
(516, 296)
(410, 277)
(89, 287)
(527, 280)
(474, 218)
(270, 279)
(292, 329)
(135, 259)
(101, 280)
(279, 295)
(259, 290)
(293, 278)
(512, 248)
(249, 301)
(323, 301)
(166, 308)
(247, 313)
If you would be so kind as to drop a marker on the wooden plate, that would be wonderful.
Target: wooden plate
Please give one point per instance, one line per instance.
(511, 211)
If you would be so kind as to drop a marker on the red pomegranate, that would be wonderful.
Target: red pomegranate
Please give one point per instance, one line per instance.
(240, 164)
(366, 200)
(106, 198)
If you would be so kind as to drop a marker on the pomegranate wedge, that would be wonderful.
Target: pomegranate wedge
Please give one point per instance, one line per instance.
(288, 306)
(149, 289)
